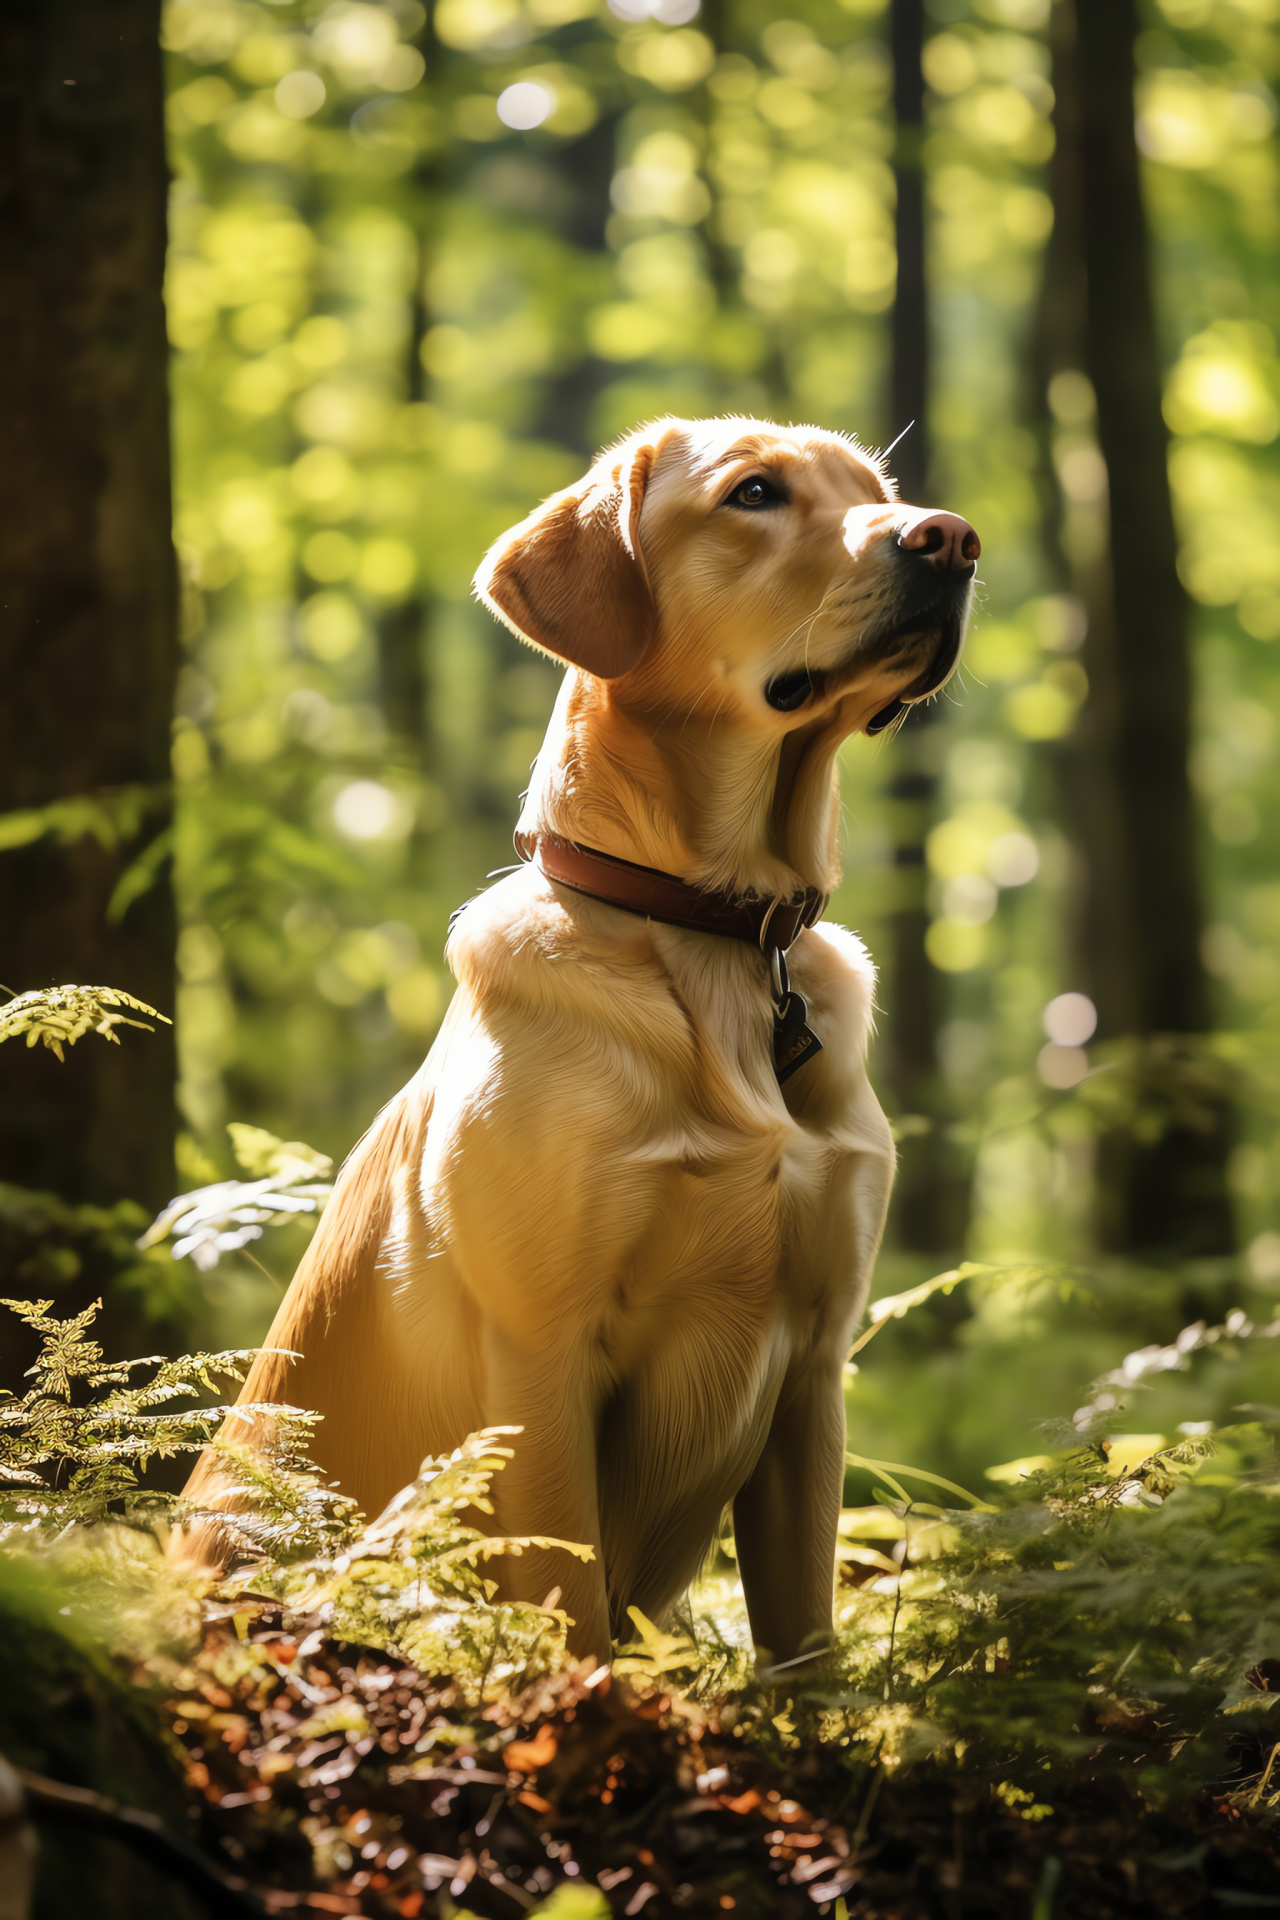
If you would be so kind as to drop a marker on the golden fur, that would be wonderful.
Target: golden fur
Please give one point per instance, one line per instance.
(593, 1213)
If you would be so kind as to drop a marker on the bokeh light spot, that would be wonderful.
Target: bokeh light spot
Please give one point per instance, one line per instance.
(299, 95)
(1013, 859)
(669, 13)
(956, 946)
(1071, 1019)
(366, 810)
(526, 105)
(1062, 1067)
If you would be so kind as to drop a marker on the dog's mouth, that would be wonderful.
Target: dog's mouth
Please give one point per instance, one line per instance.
(925, 630)
(948, 639)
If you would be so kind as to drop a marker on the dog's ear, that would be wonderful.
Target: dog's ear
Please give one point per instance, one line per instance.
(571, 578)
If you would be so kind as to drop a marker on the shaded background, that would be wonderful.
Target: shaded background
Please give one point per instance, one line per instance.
(418, 269)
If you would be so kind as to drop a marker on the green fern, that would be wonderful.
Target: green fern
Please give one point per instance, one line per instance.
(411, 1580)
(73, 1447)
(290, 1181)
(287, 1512)
(59, 1016)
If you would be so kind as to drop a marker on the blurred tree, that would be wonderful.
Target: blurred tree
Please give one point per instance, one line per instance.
(402, 627)
(88, 625)
(929, 1199)
(578, 177)
(1126, 778)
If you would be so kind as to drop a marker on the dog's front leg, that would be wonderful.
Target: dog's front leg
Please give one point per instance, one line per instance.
(549, 1487)
(785, 1517)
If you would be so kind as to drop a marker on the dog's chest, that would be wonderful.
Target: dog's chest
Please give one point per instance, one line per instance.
(612, 1159)
(755, 1210)
(750, 1216)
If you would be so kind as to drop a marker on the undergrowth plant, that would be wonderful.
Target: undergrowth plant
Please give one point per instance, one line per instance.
(74, 1447)
(288, 1180)
(59, 1016)
(412, 1580)
(1113, 1606)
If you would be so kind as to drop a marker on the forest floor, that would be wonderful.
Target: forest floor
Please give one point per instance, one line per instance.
(1054, 1707)
(339, 1780)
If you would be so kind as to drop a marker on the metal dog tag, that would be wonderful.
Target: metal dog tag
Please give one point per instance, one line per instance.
(794, 1041)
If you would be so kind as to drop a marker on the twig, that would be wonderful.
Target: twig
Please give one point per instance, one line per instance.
(1265, 1781)
(897, 1604)
(1115, 1678)
(222, 1894)
(799, 1660)
(868, 1805)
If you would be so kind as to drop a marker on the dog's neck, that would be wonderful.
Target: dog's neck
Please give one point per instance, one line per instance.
(711, 803)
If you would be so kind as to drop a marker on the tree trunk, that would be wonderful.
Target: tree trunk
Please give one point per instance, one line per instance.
(929, 1207)
(910, 360)
(88, 621)
(1100, 937)
(1130, 805)
(402, 629)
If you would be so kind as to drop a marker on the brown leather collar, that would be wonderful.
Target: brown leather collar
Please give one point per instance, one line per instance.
(771, 925)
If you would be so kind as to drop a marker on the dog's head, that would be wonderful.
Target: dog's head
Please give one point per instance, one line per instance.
(762, 574)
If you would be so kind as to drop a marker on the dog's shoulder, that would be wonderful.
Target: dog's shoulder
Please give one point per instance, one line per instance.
(529, 941)
(833, 1096)
(832, 967)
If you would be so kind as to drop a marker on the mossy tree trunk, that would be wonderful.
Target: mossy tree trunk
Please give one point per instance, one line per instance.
(88, 641)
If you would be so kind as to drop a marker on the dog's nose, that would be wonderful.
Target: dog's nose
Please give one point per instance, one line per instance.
(946, 540)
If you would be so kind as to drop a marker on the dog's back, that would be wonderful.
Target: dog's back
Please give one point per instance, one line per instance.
(334, 1327)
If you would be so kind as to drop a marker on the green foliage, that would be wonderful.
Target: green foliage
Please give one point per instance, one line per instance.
(59, 1016)
(1094, 1622)
(228, 1215)
(113, 817)
(1017, 1279)
(109, 817)
(48, 1243)
(73, 1447)
(411, 1580)
(46, 1240)
(1115, 1604)
(266, 1158)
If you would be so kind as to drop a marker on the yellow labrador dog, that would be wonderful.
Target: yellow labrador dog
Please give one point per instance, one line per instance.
(630, 1202)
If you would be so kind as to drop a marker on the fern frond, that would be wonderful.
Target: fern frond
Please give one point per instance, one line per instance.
(79, 1462)
(59, 1016)
(266, 1157)
(65, 1354)
(227, 1215)
(410, 1579)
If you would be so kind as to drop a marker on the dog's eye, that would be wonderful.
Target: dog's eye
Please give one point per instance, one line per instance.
(755, 492)
(789, 690)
